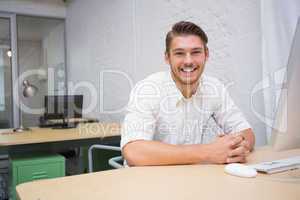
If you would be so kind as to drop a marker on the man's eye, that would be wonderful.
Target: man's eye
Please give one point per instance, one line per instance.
(196, 52)
(179, 53)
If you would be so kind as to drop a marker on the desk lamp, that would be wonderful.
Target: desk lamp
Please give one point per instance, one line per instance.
(29, 90)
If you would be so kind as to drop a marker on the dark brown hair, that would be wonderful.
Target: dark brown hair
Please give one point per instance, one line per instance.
(185, 28)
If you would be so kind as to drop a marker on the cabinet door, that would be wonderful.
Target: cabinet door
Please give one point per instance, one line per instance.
(41, 171)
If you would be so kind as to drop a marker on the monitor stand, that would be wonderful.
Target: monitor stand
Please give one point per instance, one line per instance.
(65, 125)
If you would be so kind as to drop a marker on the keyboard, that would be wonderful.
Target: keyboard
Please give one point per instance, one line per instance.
(276, 166)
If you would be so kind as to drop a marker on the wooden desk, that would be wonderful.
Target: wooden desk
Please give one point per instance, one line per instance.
(88, 131)
(171, 182)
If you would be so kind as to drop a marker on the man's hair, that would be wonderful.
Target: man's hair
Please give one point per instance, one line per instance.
(185, 28)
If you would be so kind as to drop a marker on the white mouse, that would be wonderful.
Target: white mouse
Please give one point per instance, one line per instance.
(237, 169)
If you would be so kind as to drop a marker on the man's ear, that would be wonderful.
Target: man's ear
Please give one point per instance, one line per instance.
(206, 53)
(167, 58)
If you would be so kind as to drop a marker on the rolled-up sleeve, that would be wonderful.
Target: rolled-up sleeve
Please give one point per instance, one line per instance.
(228, 116)
(140, 120)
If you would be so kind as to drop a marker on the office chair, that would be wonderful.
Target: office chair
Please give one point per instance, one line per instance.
(113, 162)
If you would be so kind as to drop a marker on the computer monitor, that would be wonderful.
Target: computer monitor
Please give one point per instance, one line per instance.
(63, 106)
(286, 128)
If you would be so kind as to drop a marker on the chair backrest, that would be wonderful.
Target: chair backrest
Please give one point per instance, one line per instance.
(115, 162)
(103, 147)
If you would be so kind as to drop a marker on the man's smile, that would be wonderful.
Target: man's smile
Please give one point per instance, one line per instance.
(187, 71)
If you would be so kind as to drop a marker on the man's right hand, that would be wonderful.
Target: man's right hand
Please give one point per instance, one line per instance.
(227, 149)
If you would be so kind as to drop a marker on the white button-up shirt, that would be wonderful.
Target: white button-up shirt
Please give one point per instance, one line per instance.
(158, 111)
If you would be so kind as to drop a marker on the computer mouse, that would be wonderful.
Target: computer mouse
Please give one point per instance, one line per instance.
(241, 170)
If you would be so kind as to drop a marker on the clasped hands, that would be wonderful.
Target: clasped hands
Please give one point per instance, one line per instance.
(231, 148)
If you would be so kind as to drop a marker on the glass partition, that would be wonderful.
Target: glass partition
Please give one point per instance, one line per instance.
(6, 114)
(41, 59)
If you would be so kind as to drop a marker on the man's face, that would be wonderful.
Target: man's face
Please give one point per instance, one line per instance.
(186, 57)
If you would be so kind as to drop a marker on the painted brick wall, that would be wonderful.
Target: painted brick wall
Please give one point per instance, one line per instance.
(113, 44)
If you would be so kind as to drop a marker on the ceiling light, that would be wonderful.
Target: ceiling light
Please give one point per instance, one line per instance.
(9, 53)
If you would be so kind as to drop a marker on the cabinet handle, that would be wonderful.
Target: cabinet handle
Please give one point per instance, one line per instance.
(39, 175)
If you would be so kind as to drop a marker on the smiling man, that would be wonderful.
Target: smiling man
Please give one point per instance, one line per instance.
(168, 112)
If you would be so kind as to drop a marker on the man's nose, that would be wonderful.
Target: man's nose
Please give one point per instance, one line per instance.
(187, 59)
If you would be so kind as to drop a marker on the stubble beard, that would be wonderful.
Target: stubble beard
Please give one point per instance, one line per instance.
(186, 83)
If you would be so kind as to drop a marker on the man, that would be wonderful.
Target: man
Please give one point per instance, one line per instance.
(168, 112)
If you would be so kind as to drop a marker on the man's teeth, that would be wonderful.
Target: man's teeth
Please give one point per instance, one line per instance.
(187, 69)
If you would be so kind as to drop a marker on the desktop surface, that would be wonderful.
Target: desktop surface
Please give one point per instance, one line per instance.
(45, 135)
(171, 182)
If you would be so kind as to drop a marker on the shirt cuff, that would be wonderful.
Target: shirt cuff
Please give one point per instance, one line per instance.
(133, 136)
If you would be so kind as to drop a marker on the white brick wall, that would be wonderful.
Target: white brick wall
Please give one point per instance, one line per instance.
(128, 36)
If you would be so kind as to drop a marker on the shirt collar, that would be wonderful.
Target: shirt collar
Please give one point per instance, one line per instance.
(177, 93)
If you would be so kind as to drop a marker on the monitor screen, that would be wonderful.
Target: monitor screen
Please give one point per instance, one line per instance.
(286, 129)
(63, 106)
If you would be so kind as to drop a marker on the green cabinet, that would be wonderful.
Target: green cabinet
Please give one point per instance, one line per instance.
(30, 167)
